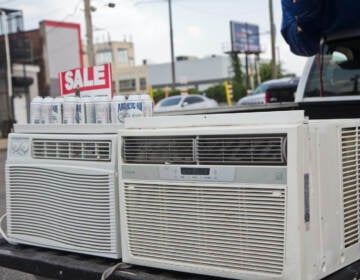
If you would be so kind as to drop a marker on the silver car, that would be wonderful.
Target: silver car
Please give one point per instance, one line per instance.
(186, 102)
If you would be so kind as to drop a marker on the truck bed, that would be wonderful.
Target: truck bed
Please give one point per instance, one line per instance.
(63, 265)
(339, 109)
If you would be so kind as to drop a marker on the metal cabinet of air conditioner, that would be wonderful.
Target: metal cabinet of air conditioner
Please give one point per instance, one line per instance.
(62, 192)
(243, 196)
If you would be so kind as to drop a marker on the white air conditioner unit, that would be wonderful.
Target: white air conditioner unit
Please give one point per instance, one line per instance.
(242, 196)
(62, 192)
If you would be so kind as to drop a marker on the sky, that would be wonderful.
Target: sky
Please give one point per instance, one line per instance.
(201, 27)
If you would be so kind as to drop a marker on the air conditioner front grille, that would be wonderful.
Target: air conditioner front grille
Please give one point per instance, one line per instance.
(224, 227)
(56, 207)
(212, 150)
(237, 150)
(65, 149)
(159, 149)
(350, 184)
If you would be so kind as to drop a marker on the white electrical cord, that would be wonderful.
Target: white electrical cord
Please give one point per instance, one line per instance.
(3, 234)
(107, 273)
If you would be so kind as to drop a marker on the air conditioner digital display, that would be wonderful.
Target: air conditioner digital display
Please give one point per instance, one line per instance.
(195, 171)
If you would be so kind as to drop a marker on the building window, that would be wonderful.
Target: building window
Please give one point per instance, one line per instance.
(142, 83)
(127, 85)
(104, 56)
(123, 56)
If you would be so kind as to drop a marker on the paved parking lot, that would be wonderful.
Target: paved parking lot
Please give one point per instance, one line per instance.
(7, 274)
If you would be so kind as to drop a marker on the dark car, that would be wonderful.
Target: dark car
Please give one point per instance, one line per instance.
(279, 90)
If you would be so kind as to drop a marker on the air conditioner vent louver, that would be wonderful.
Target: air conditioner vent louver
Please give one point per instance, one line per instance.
(350, 183)
(226, 227)
(237, 150)
(71, 209)
(58, 149)
(176, 149)
(219, 149)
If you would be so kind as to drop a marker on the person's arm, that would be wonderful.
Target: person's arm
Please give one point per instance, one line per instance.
(301, 25)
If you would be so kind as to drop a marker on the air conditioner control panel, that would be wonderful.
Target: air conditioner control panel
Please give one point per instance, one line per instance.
(179, 173)
(205, 173)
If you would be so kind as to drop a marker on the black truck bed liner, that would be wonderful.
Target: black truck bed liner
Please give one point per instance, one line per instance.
(63, 265)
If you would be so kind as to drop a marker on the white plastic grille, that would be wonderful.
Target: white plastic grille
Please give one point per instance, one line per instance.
(225, 227)
(84, 150)
(219, 149)
(73, 210)
(350, 184)
(228, 149)
(154, 149)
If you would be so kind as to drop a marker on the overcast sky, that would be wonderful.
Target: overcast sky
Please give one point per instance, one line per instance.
(201, 27)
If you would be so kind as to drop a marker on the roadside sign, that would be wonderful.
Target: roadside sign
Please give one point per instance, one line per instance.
(89, 81)
(244, 37)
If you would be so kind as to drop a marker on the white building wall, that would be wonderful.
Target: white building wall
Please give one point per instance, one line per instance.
(192, 71)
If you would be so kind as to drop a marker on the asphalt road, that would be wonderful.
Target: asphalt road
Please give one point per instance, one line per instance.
(7, 274)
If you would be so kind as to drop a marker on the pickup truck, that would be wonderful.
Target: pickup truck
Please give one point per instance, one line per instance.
(328, 87)
(334, 95)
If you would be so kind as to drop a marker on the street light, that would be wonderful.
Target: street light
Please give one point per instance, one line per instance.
(173, 79)
(272, 33)
(173, 84)
(89, 31)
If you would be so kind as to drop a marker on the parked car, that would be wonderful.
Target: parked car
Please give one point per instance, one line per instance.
(279, 90)
(187, 102)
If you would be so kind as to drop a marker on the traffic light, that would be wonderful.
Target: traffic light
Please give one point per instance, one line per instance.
(228, 92)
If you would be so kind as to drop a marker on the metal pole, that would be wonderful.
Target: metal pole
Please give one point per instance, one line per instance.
(272, 31)
(89, 33)
(173, 84)
(247, 70)
(258, 69)
(8, 61)
(247, 58)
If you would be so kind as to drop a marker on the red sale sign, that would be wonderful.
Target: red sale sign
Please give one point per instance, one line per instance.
(96, 80)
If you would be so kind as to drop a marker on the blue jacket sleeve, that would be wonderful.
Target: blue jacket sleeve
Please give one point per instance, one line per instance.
(302, 25)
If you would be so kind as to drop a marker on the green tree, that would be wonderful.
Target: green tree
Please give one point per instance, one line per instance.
(266, 71)
(239, 90)
(194, 91)
(216, 92)
(160, 93)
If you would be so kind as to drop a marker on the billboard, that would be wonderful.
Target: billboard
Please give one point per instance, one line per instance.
(244, 37)
(95, 80)
(62, 50)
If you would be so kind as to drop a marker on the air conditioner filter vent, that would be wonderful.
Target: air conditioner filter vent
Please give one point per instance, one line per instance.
(206, 149)
(59, 149)
(71, 209)
(227, 227)
(239, 150)
(168, 149)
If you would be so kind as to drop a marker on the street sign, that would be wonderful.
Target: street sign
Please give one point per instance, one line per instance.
(89, 81)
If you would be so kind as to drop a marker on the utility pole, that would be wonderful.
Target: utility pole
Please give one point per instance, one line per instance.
(89, 34)
(8, 61)
(173, 84)
(272, 31)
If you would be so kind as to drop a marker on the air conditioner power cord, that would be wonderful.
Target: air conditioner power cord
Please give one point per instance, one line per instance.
(109, 271)
(2, 233)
